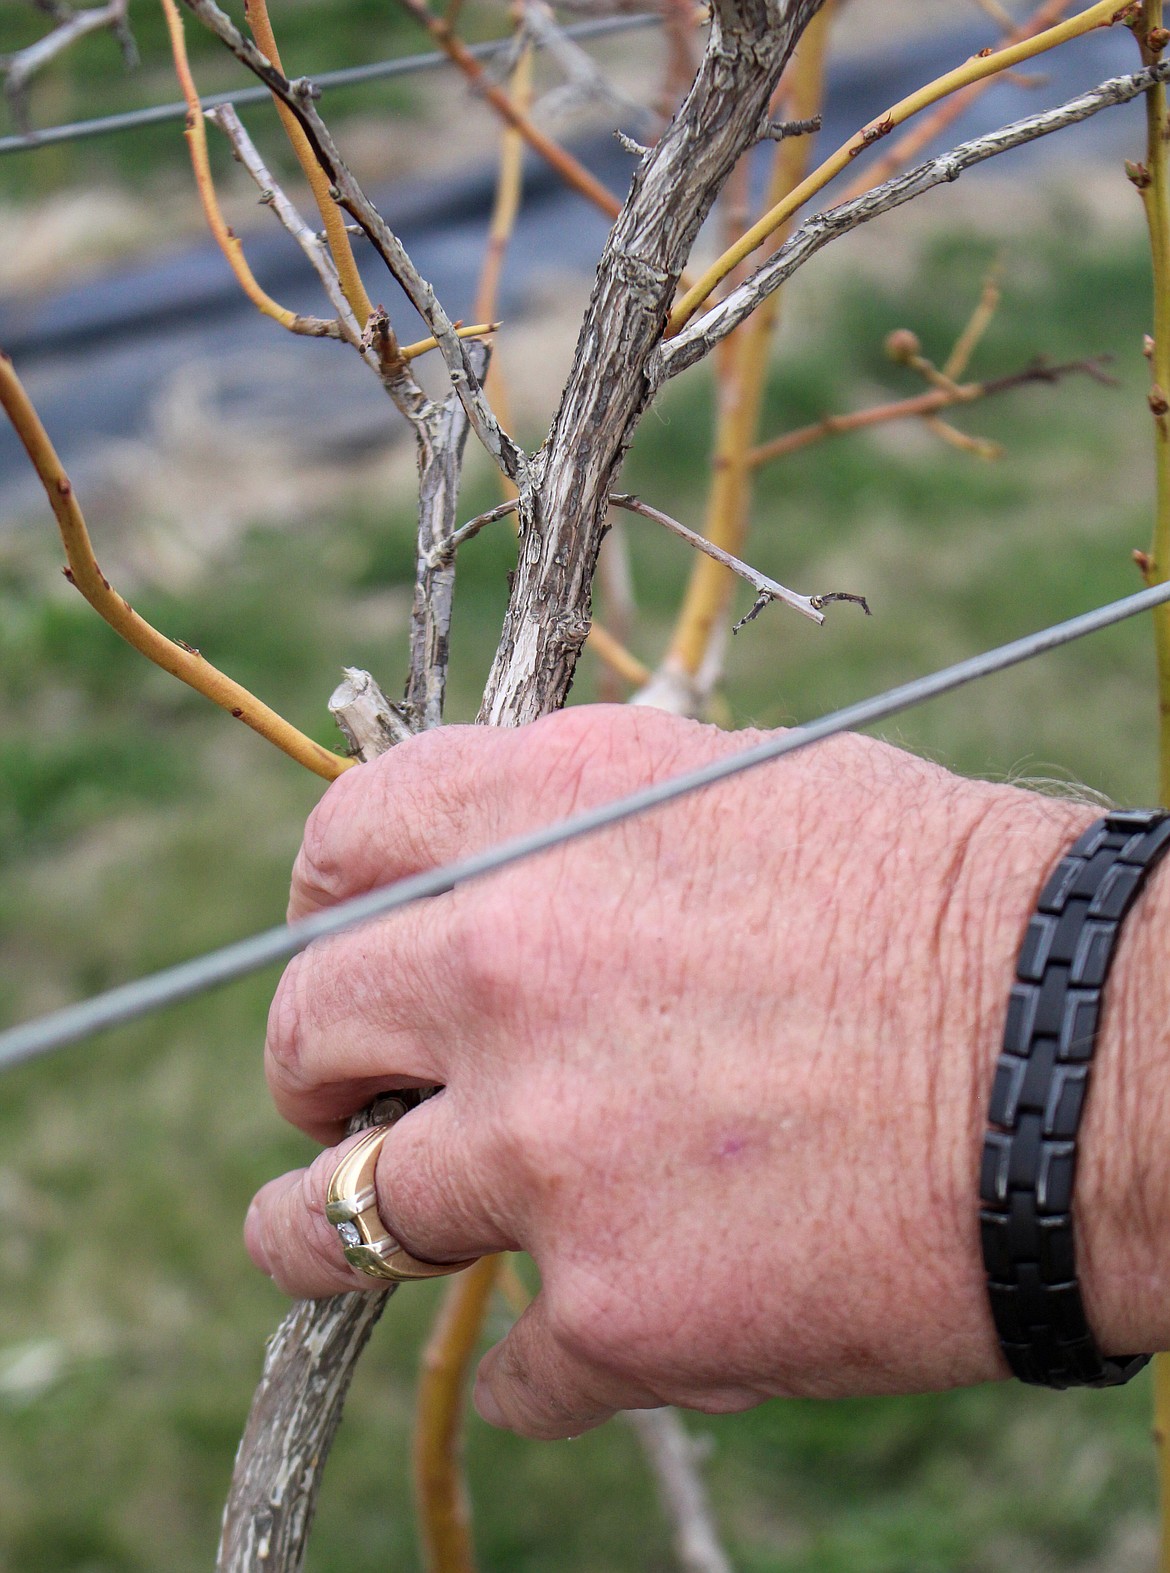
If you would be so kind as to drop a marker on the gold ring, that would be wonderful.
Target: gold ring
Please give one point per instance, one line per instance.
(351, 1206)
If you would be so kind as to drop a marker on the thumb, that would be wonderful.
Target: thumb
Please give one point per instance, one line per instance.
(533, 1383)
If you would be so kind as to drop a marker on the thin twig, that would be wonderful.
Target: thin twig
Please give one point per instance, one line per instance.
(335, 228)
(584, 78)
(977, 324)
(995, 11)
(225, 237)
(312, 242)
(505, 210)
(674, 1456)
(928, 129)
(299, 97)
(954, 437)
(175, 657)
(378, 348)
(766, 589)
(506, 204)
(570, 169)
(19, 68)
(782, 130)
(923, 404)
(606, 647)
(444, 551)
(701, 336)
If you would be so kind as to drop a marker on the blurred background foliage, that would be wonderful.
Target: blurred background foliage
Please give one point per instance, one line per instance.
(137, 827)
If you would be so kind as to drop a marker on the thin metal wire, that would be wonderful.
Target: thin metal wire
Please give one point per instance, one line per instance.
(377, 71)
(152, 993)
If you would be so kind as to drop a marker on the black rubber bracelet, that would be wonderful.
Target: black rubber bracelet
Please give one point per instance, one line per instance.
(1037, 1098)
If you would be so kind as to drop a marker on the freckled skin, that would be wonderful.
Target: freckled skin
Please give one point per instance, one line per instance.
(723, 1071)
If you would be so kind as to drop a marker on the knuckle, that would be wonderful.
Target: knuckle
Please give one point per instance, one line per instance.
(585, 754)
(485, 951)
(569, 746)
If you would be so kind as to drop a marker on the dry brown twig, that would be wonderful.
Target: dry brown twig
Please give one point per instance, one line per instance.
(767, 590)
(18, 69)
(925, 404)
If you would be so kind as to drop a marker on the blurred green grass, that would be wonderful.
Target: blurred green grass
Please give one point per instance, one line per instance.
(137, 827)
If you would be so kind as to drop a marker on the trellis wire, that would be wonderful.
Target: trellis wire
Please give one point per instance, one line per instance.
(133, 1000)
(350, 76)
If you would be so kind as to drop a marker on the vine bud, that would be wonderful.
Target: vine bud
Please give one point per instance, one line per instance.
(903, 346)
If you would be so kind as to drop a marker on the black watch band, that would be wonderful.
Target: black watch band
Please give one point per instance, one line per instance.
(1037, 1098)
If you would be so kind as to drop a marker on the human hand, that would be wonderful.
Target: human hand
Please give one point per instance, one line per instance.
(722, 1071)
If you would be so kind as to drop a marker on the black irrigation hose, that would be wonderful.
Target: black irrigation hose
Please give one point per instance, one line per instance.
(152, 993)
(377, 71)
